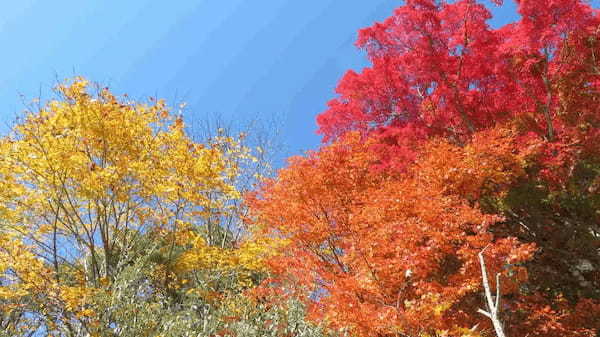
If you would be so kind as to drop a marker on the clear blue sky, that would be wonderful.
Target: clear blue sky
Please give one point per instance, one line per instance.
(236, 58)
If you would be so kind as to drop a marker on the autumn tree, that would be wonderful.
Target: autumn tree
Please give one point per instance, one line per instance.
(440, 70)
(388, 252)
(114, 222)
(458, 136)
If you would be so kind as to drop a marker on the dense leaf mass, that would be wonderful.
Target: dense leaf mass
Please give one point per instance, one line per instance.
(456, 194)
(114, 222)
(458, 137)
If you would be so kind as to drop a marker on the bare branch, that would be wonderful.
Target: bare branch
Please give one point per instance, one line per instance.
(493, 306)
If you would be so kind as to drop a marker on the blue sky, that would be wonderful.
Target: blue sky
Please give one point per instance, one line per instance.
(239, 59)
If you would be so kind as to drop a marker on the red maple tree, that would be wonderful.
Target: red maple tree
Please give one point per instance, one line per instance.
(458, 137)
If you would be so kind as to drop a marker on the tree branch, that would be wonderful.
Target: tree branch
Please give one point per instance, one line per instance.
(493, 306)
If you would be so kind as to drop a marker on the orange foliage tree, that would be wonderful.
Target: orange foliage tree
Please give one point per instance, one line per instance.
(457, 137)
(387, 253)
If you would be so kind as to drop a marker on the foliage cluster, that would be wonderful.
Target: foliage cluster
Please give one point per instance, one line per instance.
(456, 194)
(114, 222)
(459, 139)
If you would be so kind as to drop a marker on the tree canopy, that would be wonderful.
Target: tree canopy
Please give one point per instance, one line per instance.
(456, 194)
(459, 139)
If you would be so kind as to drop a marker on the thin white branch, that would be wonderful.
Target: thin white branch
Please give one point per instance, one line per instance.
(485, 313)
(498, 295)
(493, 306)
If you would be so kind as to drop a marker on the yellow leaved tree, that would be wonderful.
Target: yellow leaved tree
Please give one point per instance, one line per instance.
(95, 187)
